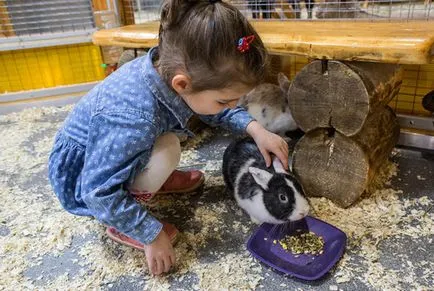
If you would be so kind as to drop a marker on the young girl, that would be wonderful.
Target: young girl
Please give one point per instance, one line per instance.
(119, 145)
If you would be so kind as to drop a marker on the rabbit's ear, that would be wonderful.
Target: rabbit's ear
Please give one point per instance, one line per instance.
(244, 101)
(283, 82)
(278, 167)
(261, 177)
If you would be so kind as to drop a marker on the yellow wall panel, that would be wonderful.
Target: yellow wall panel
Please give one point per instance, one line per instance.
(418, 80)
(49, 67)
(405, 98)
(67, 65)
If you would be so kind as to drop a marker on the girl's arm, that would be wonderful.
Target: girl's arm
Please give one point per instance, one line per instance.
(240, 121)
(235, 119)
(269, 142)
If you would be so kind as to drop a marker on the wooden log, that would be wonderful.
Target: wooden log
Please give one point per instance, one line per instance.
(341, 95)
(342, 168)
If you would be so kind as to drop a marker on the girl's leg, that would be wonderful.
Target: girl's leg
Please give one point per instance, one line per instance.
(160, 175)
(164, 159)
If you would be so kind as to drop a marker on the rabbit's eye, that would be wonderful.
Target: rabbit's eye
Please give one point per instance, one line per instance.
(283, 198)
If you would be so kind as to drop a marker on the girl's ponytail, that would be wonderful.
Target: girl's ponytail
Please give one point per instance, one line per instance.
(172, 11)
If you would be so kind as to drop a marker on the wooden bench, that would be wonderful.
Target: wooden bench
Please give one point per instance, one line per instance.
(385, 42)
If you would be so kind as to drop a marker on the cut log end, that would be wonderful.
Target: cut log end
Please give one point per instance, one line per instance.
(328, 94)
(331, 165)
(342, 168)
(341, 95)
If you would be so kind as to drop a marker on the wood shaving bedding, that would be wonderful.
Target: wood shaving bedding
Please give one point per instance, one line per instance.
(229, 272)
(34, 226)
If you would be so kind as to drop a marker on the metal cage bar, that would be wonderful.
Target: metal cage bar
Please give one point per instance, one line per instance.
(281, 10)
(23, 23)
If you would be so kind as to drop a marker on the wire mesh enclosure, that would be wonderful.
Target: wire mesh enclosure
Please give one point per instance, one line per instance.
(375, 10)
(38, 17)
(335, 9)
(26, 21)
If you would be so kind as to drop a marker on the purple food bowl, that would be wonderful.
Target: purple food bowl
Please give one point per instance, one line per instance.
(305, 266)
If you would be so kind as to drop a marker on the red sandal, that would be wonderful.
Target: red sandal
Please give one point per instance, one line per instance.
(182, 182)
(178, 182)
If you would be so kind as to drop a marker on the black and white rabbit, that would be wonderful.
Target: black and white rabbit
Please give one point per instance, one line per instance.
(270, 195)
(268, 104)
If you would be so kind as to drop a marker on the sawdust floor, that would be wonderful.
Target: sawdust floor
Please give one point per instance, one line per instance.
(43, 247)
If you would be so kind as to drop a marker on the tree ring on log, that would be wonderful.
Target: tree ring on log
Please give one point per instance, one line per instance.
(331, 165)
(329, 94)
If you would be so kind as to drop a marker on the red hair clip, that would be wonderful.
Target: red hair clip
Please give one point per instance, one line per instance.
(244, 43)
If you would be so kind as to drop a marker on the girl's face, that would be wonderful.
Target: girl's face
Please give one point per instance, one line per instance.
(210, 102)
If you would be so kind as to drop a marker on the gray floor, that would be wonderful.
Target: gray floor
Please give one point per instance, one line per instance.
(42, 247)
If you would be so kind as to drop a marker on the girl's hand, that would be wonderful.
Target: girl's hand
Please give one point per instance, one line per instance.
(160, 254)
(269, 142)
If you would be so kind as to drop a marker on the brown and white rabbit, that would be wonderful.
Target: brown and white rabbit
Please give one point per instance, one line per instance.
(268, 104)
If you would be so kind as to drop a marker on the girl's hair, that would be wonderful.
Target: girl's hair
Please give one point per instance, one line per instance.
(200, 39)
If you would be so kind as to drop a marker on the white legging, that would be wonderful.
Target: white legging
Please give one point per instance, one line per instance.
(164, 159)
